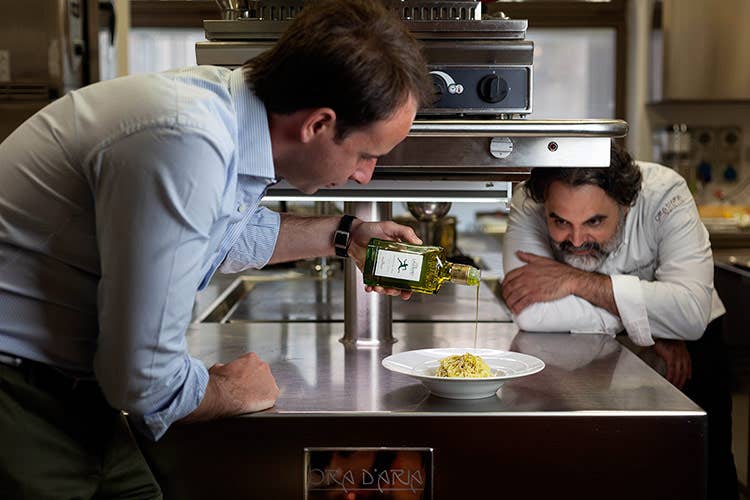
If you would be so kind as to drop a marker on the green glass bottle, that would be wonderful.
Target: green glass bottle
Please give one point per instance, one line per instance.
(413, 267)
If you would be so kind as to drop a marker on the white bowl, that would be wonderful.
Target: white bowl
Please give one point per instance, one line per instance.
(422, 364)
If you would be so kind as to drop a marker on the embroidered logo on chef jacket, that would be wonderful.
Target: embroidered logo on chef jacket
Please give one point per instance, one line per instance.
(668, 207)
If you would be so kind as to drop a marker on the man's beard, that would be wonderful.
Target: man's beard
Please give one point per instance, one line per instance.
(598, 252)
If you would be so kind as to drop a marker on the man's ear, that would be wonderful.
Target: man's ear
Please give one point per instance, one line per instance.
(318, 123)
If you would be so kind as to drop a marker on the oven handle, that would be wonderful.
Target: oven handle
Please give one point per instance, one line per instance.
(519, 128)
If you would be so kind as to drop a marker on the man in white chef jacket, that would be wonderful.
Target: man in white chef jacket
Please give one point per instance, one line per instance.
(604, 250)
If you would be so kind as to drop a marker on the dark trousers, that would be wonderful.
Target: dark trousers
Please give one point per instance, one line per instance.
(60, 439)
(710, 388)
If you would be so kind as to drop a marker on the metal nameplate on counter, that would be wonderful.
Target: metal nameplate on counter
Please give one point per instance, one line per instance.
(368, 472)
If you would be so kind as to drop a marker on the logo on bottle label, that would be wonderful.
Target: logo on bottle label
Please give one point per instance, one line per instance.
(405, 266)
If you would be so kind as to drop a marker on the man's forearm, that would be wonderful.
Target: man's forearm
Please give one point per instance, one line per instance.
(305, 237)
(597, 289)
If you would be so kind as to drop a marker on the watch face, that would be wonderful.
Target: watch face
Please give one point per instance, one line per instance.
(342, 235)
(341, 242)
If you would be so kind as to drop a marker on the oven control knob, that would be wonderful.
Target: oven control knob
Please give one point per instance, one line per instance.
(441, 86)
(492, 88)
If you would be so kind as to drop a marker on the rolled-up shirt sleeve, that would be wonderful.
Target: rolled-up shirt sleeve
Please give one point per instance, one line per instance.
(255, 244)
(153, 221)
(676, 304)
(527, 232)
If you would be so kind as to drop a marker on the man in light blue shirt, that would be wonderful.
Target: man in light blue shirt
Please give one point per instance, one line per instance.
(120, 200)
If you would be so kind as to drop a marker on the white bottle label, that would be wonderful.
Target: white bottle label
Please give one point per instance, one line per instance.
(400, 265)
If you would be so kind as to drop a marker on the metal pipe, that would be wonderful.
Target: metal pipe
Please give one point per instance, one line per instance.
(367, 316)
(122, 31)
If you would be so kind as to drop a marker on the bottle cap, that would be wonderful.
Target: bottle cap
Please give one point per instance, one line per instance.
(466, 275)
(474, 276)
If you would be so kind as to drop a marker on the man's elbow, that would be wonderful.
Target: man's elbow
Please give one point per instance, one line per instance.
(695, 320)
(694, 329)
(136, 394)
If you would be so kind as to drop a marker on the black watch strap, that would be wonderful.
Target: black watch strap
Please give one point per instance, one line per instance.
(342, 237)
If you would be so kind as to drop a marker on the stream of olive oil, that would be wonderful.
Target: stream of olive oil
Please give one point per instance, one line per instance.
(476, 319)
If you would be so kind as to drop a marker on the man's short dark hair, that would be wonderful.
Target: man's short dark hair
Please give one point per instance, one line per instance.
(353, 56)
(621, 181)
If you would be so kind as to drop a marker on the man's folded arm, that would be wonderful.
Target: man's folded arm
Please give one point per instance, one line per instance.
(570, 314)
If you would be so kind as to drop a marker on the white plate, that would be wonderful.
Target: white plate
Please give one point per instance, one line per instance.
(422, 364)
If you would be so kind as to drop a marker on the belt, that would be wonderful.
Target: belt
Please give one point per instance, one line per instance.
(48, 377)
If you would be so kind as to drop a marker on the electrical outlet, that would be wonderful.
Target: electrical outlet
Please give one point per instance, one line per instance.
(4, 65)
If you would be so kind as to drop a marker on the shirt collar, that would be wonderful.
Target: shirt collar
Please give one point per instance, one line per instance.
(253, 134)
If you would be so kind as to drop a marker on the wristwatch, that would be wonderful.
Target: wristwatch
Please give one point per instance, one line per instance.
(342, 237)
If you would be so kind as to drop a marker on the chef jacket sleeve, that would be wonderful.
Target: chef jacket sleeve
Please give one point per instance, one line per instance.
(676, 304)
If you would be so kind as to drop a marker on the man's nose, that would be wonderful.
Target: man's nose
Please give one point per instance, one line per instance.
(364, 174)
(577, 237)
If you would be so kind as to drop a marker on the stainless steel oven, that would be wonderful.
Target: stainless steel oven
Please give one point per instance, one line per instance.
(476, 135)
(479, 67)
(41, 55)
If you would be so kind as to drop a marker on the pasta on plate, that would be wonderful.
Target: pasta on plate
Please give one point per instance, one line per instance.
(463, 365)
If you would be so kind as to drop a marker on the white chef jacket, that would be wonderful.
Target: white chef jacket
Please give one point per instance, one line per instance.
(662, 272)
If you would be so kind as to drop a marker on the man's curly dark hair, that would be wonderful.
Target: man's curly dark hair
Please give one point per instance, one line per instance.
(621, 181)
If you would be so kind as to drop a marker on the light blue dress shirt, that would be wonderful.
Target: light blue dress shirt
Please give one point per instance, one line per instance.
(118, 202)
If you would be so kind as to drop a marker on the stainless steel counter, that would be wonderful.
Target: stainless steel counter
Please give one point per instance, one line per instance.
(595, 423)
(733, 259)
(316, 373)
(310, 299)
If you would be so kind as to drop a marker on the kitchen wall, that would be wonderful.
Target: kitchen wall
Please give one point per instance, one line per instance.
(716, 124)
(711, 118)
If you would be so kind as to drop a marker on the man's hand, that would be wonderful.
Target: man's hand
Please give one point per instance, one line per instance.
(244, 385)
(540, 280)
(362, 232)
(677, 358)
